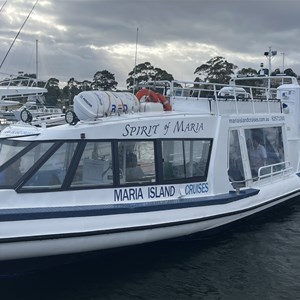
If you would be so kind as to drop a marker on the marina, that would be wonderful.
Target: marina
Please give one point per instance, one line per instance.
(126, 170)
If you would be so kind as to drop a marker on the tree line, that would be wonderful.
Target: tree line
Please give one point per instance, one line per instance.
(215, 70)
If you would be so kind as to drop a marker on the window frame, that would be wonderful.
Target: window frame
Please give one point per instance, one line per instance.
(43, 159)
(74, 165)
(29, 173)
(78, 152)
(186, 179)
(156, 158)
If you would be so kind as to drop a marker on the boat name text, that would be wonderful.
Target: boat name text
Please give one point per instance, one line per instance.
(187, 127)
(151, 130)
(138, 193)
(145, 130)
(156, 192)
(196, 188)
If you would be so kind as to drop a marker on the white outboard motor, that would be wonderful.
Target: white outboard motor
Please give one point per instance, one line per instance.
(91, 105)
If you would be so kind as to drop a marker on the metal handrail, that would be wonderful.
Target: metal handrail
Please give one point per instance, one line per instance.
(285, 170)
(212, 91)
(285, 167)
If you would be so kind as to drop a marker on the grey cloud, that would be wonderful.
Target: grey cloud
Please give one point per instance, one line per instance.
(235, 28)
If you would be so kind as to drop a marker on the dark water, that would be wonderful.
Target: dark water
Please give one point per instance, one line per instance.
(258, 259)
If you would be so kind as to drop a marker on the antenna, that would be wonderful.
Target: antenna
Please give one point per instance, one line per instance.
(283, 54)
(135, 58)
(269, 54)
(18, 34)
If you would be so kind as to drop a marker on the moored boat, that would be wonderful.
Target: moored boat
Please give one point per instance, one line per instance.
(35, 105)
(128, 169)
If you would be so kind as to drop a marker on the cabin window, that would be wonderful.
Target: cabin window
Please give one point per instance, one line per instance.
(136, 162)
(265, 148)
(185, 159)
(11, 174)
(52, 172)
(95, 166)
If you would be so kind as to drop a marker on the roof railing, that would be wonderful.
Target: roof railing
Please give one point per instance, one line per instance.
(23, 82)
(261, 92)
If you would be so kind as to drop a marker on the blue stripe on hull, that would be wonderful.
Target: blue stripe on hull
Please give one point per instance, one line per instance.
(138, 228)
(21, 214)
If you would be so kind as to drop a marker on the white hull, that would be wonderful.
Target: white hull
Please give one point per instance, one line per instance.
(57, 236)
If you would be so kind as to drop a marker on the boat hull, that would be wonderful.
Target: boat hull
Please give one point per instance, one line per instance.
(70, 235)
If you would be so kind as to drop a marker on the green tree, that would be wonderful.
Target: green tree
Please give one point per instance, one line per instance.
(145, 72)
(65, 94)
(104, 80)
(276, 72)
(162, 75)
(53, 93)
(73, 89)
(290, 72)
(247, 72)
(86, 85)
(216, 70)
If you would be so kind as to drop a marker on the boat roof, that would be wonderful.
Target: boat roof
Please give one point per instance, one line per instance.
(102, 114)
(14, 88)
(20, 91)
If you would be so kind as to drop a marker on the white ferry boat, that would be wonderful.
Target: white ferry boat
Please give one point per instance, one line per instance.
(131, 169)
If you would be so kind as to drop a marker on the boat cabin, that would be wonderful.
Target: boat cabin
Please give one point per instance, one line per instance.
(143, 150)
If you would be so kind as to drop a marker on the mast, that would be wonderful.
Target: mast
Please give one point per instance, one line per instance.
(135, 58)
(282, 53)
(36, 59)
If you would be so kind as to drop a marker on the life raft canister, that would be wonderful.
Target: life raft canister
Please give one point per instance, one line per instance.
(151, 96)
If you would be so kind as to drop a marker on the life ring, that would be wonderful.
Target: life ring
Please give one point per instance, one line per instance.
(151, 96)
(164, 101)
(147, 95)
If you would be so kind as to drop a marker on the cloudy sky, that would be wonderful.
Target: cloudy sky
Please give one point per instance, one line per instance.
(77, 38)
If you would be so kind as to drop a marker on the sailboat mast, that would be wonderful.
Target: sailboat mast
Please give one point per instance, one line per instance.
(18, 34)
(36, 59)
(135, 58)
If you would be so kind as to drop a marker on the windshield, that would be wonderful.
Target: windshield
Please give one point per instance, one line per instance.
(18, 166)
(9, 149)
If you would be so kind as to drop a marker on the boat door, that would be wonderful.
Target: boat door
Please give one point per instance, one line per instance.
(255, 153)
(236, 159)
